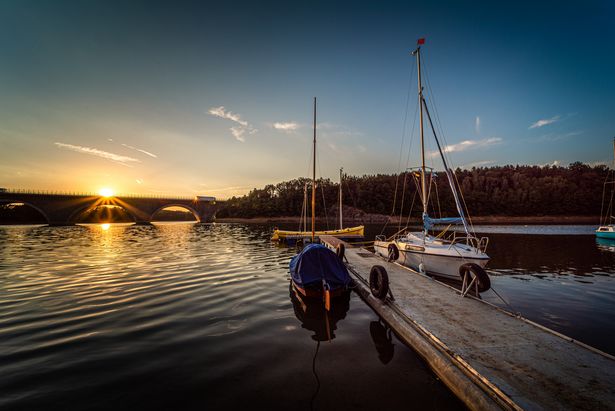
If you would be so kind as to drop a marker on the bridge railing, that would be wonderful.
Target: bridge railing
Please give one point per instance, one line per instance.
(91, 194)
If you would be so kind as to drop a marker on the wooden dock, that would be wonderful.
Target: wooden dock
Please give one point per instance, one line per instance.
(489, 358)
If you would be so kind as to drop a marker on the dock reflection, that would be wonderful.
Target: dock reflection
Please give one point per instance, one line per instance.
(383, 341)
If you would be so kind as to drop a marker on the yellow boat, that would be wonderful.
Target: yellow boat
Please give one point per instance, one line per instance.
(282, 235)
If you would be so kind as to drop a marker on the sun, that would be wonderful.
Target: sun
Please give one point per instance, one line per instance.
(106, 192)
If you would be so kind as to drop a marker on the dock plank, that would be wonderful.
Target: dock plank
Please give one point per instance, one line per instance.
(533, 367)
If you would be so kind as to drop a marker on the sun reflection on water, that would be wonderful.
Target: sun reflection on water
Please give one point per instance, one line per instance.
(105, 226)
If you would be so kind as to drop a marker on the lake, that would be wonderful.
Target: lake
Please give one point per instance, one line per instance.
(201, 316)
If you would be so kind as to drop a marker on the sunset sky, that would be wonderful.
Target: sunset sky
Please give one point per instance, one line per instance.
(216, 98)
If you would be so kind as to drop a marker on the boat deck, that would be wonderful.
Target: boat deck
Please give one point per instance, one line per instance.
(489, 358)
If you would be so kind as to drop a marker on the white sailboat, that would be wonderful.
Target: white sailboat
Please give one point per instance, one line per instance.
(461, 257)
(607, 219)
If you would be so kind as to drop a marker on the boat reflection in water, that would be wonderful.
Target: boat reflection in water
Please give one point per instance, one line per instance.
(606, 244)
(314, 317)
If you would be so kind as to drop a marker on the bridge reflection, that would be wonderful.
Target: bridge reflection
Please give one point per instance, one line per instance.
(65, 208)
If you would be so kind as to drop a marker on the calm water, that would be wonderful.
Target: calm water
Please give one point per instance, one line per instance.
(183, 316)
(202, 317)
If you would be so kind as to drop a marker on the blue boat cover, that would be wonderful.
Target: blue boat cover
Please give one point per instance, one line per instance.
(315, 263)
(429, 222)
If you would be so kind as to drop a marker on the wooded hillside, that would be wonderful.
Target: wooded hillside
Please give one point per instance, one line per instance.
(499, 191)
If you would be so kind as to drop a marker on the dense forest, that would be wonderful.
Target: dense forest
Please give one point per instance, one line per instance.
(575, 190)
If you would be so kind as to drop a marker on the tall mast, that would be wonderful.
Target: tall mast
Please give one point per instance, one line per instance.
(417, 52)
(341, 225)
(314, 177)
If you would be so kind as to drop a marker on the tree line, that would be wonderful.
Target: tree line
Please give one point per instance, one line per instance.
(575, 190)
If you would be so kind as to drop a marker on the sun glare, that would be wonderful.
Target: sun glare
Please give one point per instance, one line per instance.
(106, 192)
(105, 226)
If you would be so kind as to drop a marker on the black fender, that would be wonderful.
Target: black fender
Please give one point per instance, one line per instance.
(475, 270)
(379, 282)
(393, 252)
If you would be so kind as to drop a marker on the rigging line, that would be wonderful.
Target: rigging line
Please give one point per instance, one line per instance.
(416, 110)
(322, 189)
(411, 208)
(403, 131)
(435, 108)
(469, 218)
(505, 302)
(602, 202)
(315, 375)
(448, 172)
(607, 213)
(403, 135)
(403, 198)
(435, 182)
(439, 124)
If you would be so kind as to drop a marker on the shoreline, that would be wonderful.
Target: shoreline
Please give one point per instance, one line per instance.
(482, 220)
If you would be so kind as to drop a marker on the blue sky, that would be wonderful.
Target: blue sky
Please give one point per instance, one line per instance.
(216, 98)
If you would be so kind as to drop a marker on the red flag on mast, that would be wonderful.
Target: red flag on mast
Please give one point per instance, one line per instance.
(421, 41)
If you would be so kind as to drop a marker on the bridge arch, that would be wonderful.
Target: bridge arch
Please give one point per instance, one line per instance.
(80, 212)
(196, 215)
(27, 204)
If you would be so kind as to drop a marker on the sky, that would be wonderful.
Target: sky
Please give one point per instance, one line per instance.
(216, 98)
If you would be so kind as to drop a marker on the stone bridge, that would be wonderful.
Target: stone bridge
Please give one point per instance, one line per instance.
(65, 208)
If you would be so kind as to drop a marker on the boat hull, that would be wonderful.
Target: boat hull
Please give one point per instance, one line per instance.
(609, 235)
(439, 265)
(318, 292)
(283, 235)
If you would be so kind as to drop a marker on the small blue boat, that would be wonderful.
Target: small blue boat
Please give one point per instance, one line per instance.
(317, 270)
(606, 231)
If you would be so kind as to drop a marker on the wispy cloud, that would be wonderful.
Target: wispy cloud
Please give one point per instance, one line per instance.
(477, 125)
(478, 164)
(142, 151)
(361, 148)
(471, 144)
(556, 137)
(124, 160)
(222, 113)
(237, 131)
(286, 127)
(336, 131)
(546, 121)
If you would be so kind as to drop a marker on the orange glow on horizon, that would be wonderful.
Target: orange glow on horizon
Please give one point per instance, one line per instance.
(106, 192)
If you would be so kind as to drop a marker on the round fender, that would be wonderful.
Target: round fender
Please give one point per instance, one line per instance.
(340, 250)
(475, 271)
(393, 252)
(379, 282)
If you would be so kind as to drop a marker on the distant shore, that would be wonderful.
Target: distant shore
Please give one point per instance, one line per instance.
(498, 220)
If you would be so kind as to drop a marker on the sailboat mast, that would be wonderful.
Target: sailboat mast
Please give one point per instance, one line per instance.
(423, 169)
(341, 171)
(314, 178)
